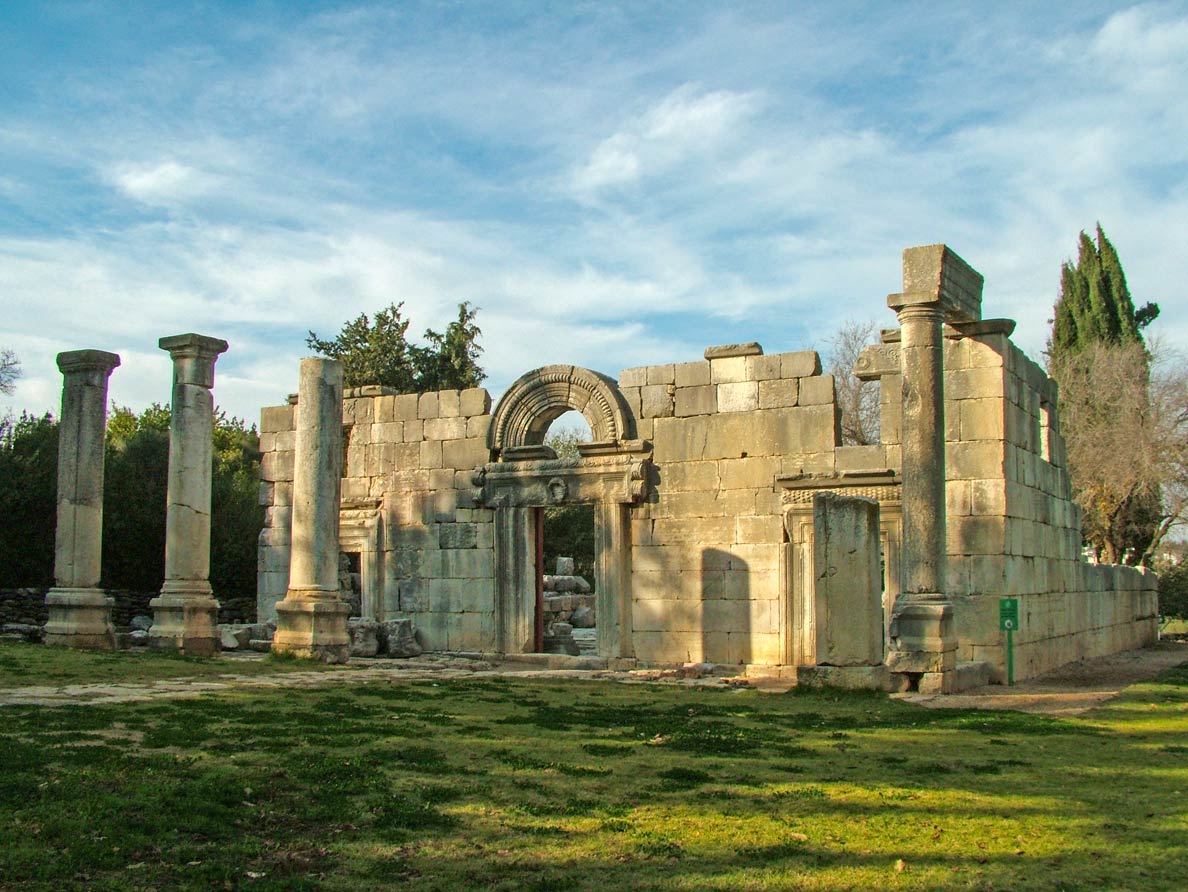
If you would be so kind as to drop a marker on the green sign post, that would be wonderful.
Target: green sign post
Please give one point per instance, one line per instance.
(1008, 621)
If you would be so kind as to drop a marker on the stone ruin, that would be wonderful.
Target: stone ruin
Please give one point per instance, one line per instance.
(568, 604)
(731, 525)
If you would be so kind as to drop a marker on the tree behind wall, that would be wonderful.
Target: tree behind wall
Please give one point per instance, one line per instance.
(377, 351)
(134, 501)
(1098, 356)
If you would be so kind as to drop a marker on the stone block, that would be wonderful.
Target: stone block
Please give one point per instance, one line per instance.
(764, 368)
(465, 454)
(448, 404)
(747, 473)
(661, 374)
(977, 460)
(778, 393)
(688, 476)
(957, 497)
(427, 406)
(982, 419)
(729, 370)
(817, 391)
(738, 397)
(802, 364)
(276, 418)
(679, 440)
(700, 400)
(971, 384)
(478, 426)
(430, 454)
(656, 400)
(276, 466)
(445, 428)
(636, 377)
(989, 497)
(758, 529)
(860, 458)
(847, 601)
(475, 401)
(691, 374)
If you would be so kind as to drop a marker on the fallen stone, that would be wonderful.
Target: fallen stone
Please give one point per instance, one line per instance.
(28, 631)
(260, 645)
(695, 670)
(141, 623)
(581, 585)
(233, 636)
(364, 637)
(583, 618)
(398, 639)
(138, 638)
(564, 566)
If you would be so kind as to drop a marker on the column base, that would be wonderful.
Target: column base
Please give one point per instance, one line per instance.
(79, 617)
(313, 626)
(185, 619)
(922, 638)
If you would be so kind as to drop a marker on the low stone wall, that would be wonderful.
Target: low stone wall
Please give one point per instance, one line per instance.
(27, 605)
(1116, 609)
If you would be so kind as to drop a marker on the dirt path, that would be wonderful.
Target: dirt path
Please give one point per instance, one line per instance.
(1071, 689)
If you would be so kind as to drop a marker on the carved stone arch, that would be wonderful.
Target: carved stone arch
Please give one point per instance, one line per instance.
(541, 396)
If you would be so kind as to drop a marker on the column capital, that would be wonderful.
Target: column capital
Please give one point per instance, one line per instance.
(933, 275)
(73, 361)
(193, 357)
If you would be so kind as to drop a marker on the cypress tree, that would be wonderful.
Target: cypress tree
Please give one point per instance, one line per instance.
(1095, 307)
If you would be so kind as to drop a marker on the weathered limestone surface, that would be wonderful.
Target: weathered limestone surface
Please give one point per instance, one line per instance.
(849, 604)
(79, 611)
(703, 475)
(312, 619)
(185, 615)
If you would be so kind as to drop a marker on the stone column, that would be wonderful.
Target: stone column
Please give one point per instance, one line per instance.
(79, 611)
(938, 286)
(185, 614)
(312, 618)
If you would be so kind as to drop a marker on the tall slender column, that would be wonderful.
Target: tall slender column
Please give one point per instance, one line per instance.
(312, 618)
(79, 611)
(937, 286)
(185, 614)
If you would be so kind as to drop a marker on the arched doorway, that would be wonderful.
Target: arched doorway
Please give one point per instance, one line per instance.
(610, 472)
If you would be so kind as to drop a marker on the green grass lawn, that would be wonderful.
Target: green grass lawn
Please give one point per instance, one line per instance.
(22, 665)
(513, 784)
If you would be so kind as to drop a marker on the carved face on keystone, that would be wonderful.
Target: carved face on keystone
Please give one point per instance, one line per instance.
(557, 490)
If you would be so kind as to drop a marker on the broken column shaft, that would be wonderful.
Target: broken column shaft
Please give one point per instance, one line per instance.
(185, 615)
(312, 618)
(79, 611)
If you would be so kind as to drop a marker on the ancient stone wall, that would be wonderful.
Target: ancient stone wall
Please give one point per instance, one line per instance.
(708, 544)
(407, 508)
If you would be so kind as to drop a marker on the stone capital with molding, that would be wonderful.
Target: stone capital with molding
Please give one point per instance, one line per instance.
(193, 357)
(933, 275)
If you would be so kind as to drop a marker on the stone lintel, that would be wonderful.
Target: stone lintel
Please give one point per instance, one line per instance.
(87, 361)
(612, 447)
(724, 351)
(527, 453)
(351, 393)
(621, 479)
(876, 361)
(934, 274)
(193, 357)
(958, 330)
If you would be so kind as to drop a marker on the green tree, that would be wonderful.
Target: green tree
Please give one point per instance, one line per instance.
(1095, 326)
(1095, 306)
(134, 501)
(28, 500)
(377, 351)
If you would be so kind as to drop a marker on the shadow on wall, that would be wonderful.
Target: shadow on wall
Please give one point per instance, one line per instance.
(725, 607)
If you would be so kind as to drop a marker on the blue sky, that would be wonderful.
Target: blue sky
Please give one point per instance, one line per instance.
(612, 184)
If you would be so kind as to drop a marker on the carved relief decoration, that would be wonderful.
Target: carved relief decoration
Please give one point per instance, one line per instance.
(538, 398)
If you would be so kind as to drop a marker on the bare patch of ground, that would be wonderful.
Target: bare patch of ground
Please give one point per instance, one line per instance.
(1071, 689)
